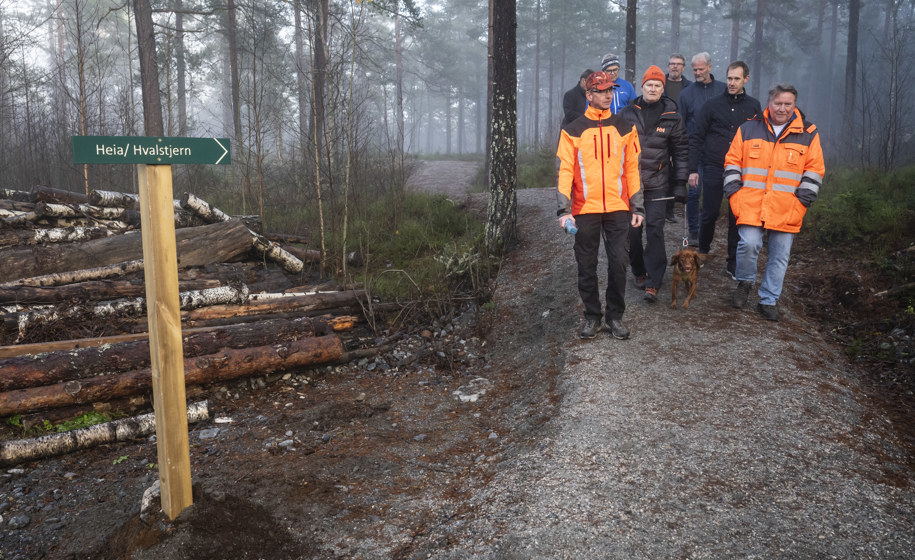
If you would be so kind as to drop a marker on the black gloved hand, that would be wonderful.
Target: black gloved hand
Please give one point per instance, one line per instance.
(680, 191)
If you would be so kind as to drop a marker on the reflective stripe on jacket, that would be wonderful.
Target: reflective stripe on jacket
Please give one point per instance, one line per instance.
(599, 165)
(769, 173)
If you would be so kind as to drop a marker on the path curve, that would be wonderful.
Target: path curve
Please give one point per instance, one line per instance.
(451, 178)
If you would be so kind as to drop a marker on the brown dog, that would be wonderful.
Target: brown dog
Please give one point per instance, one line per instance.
(686, 263)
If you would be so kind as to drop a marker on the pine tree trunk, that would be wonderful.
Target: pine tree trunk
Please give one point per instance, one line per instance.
(503, 148)
(758, 46)
(149, 71)
(632, 8)
(851, 58)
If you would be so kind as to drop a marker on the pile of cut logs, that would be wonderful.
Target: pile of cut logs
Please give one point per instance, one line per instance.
(74, 314)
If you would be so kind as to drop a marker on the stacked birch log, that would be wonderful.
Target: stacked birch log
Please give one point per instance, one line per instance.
(73, 328)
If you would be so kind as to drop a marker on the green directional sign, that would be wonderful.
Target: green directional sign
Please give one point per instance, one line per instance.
(153, 150)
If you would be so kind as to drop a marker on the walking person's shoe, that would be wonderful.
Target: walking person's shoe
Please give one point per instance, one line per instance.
(693, 239)
(589, 330)
(651, 295)
(671, 218)
(618, 329)
(741, 294)
(640, 281)
(769, 312)
(730, 274)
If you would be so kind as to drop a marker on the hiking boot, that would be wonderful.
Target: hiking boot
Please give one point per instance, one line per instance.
(769, 312)
(618, 329)
(590, 329)
(741, 294)
(640, 281)
(730, 274)
(651, 295)
(671, 218)
(694, 239)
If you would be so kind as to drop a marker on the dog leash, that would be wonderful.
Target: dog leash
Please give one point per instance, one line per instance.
(685, 228)
(685, 221)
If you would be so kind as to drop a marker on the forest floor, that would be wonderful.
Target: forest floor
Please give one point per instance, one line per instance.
(710, 433)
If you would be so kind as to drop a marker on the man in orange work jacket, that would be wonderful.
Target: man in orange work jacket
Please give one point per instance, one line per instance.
(772, 174)
(599, 188)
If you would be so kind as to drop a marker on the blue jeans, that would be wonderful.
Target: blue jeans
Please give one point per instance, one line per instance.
(779, 244)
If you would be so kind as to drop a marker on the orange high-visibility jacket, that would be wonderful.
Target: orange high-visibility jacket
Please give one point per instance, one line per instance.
(772, 175)
(599, 165)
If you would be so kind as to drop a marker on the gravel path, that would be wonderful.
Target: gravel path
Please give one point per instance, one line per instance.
(711, 433)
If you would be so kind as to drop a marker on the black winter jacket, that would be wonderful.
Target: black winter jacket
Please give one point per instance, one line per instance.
(662, 146)
(715, 127)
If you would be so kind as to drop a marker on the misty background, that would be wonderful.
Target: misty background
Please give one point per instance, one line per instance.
(320, 94)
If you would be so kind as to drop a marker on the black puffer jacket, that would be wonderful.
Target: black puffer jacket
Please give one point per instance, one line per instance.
(663, 146)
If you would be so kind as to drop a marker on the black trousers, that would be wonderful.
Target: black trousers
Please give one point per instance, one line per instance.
(712, 197)
(613, 227)
(650, 260)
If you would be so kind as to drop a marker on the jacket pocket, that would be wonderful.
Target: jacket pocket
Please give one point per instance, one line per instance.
(796, 214)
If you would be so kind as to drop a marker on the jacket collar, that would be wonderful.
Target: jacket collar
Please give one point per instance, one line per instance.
(735, 98)
(597, 115)
(707, 84)
(794, 124)
(639, 103)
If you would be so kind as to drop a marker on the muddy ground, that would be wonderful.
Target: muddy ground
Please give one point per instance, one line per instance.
(709, 434)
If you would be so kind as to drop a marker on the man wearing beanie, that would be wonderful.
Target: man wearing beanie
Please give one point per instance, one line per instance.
(664, 159)
(623, 92)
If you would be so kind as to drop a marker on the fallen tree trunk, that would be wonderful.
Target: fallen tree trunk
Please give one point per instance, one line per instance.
(98, 289)
(196, 246)
(52, 235)
(300, 303)
(203, 209)
(264, 246)
(15, 205)
(226, 365)
(348, 313)
(72, 277)
(47, 194)
(121, 307)
(50, 210)
(24, 219)
(77, 343)
(19, 451)
(55, 367)
(274, 252)
(336, 323)
(111, 199)
(17, 196)
(286, 238)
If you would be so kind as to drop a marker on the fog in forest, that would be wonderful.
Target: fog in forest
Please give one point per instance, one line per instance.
(275, 76)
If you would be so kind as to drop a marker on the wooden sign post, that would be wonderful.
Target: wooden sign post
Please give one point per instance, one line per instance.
(153, 157)
(160, 259)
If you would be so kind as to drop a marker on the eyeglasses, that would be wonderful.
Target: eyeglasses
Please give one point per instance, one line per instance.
(675, 64)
